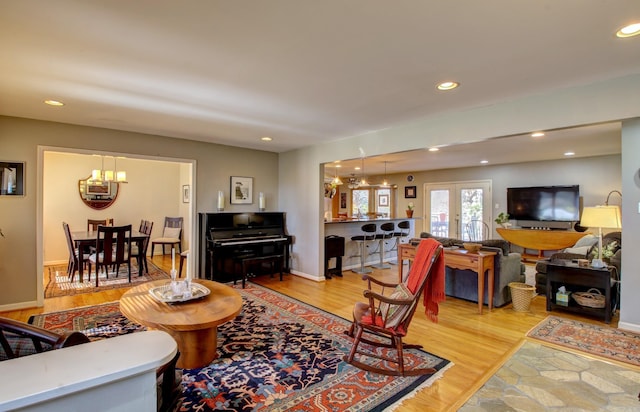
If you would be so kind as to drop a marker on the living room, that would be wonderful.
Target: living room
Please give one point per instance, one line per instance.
(593, 81)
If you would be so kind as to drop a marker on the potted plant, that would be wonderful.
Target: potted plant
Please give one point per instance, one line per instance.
(410, 207)
(503, 220)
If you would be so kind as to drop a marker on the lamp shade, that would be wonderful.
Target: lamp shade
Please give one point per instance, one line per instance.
(601, 216)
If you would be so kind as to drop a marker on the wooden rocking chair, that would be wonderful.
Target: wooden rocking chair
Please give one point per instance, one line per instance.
(390, 316)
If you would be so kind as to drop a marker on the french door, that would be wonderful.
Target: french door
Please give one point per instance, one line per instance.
(451, 208)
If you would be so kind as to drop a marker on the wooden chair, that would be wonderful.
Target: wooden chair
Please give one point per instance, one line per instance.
(477, 230)
(21, 339)
(113, 248)
(74, 254)
(171, 235)
(389, 316)
(141, 253)
(92, 225)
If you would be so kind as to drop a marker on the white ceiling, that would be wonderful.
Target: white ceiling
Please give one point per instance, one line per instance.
(301, 72)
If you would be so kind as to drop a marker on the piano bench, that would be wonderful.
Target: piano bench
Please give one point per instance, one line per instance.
(273, 260)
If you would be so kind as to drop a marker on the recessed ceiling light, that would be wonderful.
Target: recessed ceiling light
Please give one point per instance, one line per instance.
(433, 149)
(337, 165)
(447, 85)
(569, 153)
(53, 103)
(357, 167)
(484, 162)
(537, 134)
(266, 139)
(629, 31)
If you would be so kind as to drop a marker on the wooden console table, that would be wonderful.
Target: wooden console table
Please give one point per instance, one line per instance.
(459, 259)
(576, 278)
(540, 240)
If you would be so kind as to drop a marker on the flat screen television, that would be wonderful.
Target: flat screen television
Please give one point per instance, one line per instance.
(544, 203)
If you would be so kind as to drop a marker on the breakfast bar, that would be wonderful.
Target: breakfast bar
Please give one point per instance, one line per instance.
(353, 227)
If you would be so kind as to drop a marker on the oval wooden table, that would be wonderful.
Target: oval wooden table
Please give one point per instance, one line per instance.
(192, 324)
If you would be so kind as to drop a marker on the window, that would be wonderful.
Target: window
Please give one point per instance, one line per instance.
(360, 202)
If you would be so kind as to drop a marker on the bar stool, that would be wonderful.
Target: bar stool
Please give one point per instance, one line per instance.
(368, 235)
(387, 233)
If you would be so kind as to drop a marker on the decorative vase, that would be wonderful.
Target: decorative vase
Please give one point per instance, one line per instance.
(409, 213)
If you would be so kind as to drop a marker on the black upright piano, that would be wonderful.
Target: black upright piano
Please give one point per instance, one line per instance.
(228, 239)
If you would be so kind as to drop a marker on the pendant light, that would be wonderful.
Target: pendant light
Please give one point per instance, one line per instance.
(336, 180)
(121, 175)
(385, 183)
(363, 181)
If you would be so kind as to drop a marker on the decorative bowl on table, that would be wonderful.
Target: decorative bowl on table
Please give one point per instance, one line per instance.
(168, 294)
(472, 247)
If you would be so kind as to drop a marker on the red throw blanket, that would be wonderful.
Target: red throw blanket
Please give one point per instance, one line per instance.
(434, 289)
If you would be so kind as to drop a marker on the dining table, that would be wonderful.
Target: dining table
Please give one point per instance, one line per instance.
(85, 238)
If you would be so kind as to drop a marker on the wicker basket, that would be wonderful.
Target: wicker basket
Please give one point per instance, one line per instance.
(592, 298)
(521, 295)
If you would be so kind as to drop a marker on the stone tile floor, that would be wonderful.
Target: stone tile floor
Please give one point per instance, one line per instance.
(541, 378)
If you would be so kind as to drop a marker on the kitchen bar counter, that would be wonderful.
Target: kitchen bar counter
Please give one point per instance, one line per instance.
(349, 228)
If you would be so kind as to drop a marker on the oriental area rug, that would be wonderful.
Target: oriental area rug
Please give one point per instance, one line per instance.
(541, 378)
(605, 341)
(279, 354)
(57, 281)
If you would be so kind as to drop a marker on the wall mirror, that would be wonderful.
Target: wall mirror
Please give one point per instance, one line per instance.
(96, 194)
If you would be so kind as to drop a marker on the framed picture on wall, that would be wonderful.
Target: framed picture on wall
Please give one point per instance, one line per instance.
(343, 200)
(409, 192)
(383, 200)
(186, 193)
(241, 190)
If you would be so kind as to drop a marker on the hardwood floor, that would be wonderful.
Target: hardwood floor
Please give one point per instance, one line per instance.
(476, 344)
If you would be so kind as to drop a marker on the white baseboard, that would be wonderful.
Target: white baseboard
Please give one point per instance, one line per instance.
(19, 305)
(631, 327)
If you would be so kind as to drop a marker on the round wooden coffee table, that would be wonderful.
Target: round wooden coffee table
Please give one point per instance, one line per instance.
(192, 324)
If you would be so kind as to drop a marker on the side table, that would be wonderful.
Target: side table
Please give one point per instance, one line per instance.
(577, 279)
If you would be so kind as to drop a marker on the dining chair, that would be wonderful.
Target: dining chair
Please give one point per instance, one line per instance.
(74, 253)
(171, 235)
(477, 230)
(92, 225)
(141, 253)
(113, 248)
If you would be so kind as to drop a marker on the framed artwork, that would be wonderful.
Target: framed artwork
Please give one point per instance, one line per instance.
(186, 193)
(241, 190)
(343, 200)
(383, 200)
(409, 192)
(12, 178)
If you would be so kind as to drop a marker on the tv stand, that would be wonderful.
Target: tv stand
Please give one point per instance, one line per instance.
(540, 240)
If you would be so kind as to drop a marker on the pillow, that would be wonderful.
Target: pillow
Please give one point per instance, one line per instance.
(586, 240)
(172, 232)
(582, 250)
(396, 312)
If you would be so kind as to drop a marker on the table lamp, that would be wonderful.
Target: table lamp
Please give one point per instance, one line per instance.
(601, 216)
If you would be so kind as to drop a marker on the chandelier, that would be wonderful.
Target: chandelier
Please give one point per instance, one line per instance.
(353, 182)
(102, 175)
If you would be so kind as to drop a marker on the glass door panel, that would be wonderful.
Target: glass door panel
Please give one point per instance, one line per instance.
(453, 206)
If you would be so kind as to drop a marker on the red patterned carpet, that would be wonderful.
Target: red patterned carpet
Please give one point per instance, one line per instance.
(278, 354)
(597, 340)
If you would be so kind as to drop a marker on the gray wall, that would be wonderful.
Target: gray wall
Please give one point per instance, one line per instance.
(20, 262)
(597, 176)
(629, 317)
